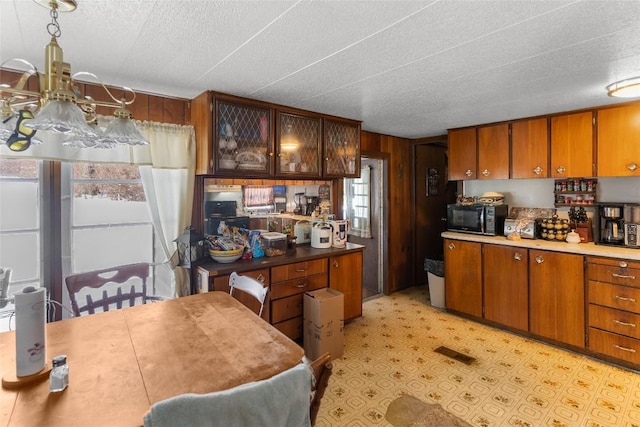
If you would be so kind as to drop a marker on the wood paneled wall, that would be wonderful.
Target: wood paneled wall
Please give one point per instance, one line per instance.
(155, 108)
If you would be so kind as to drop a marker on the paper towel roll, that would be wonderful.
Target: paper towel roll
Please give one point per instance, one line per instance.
(30, 333)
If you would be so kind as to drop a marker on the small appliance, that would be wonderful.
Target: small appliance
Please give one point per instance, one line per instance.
(222, 210)
(631, 214)
(302, 231)
(477, 219)
(321, 234)
(610, 224)
(340, 228)
(525, 227)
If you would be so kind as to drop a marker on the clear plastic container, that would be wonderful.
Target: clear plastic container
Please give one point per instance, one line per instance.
(273, 243)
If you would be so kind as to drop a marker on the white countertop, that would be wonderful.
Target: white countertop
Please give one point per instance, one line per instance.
(574, 248)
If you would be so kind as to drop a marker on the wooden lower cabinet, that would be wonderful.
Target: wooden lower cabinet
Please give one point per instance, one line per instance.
(463, 276)
(345, 271)
(614, 308)
(288, 285)
(506, 285)
(556, 296)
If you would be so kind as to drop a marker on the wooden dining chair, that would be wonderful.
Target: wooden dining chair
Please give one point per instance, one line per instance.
(105, 289)
(250, 286)
(322, 369)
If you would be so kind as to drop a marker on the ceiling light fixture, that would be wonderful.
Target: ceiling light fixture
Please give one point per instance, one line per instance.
(629, 88)
(62, 109)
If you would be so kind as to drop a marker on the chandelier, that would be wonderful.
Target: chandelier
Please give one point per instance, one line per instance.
(59, 106)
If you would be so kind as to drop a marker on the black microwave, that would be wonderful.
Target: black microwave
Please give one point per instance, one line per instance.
(477, 219)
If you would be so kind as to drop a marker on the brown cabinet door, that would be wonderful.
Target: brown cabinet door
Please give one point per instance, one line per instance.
(493, 152)
(463, 276)
(462, 154)
(530, 149)
(572, 145)
(345, 275)
(298, 144)
(556, 296)
(341, 148)
(618, 136)
(506, 286)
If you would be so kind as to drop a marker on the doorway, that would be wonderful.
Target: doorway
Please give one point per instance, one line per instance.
(433, 191)
(374, 258)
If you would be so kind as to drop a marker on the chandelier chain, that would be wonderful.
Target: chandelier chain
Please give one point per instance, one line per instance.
(54, 28)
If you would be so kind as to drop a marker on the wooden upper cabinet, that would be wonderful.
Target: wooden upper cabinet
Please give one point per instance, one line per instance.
(618, 141)
(341, 148)
(493, 152)
(572, 145)
(298, 144)
(462, 154)
(530, 149)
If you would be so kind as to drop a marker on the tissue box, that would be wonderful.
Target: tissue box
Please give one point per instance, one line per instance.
(274, 243)
(323, 323)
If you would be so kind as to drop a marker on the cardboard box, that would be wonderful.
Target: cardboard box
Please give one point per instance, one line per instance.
(323, 323)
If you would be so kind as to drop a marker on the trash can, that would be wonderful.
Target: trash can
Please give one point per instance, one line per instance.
(435, 276)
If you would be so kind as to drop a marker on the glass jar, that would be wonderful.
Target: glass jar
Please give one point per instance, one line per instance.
(59, 376)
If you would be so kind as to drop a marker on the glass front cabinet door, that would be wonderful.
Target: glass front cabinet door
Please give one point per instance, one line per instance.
(298, 145)
(341, 148)
(242, 138)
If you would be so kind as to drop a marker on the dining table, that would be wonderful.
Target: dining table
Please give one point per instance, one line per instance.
(123, 361)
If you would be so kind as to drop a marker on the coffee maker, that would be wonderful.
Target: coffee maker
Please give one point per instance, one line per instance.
(610, 224)
(632, 225)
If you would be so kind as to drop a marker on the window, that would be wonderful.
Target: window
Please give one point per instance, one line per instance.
(357, 203)
(20, 233)
(100, 219)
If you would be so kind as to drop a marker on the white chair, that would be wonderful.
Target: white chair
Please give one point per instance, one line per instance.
(250, 286)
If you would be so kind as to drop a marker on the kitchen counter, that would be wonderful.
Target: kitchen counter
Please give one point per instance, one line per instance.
(302, 253)
(579, 248)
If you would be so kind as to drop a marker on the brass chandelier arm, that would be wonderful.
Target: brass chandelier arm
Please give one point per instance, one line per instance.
(118, 102)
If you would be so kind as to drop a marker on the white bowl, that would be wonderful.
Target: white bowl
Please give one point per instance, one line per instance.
(226, 259)
(228, 164)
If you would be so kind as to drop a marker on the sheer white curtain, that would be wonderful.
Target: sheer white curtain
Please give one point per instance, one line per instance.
(168, 187)
(167, 173)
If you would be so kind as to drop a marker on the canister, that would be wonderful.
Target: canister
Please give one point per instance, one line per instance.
(302, 230)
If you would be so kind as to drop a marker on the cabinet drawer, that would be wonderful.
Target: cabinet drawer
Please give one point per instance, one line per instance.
(615, 296)
(298, 286)
(221, 283)
(614, 345)
(286, 308)
(291, 328)
(298, 269)
(612, 272)
(618, 321)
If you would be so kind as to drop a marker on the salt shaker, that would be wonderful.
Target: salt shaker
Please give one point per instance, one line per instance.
(59, 376)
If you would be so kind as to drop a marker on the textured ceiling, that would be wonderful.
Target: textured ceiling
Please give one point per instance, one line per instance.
(405, 68)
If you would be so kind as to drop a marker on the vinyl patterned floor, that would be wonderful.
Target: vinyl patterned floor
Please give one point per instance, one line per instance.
(514, 381)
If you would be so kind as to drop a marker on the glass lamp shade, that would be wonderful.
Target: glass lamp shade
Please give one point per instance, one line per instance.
(190, 247)
(62, 117)
(124, 131)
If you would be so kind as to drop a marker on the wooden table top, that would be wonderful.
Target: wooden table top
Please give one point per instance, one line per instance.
(123, 361)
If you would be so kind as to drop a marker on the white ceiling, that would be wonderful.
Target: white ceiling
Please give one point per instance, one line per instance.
(405, 68)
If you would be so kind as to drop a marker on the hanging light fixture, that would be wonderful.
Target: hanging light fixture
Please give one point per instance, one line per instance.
(62, 110)
(629, 88)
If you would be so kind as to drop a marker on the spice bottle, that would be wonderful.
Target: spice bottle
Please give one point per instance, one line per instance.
(59, 376)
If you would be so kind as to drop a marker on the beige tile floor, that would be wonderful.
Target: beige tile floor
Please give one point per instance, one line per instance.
(513, 382)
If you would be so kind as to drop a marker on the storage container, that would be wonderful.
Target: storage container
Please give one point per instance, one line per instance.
(274, 243)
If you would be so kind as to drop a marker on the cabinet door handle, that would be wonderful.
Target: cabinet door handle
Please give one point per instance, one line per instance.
(301, 285)
(335, 264)
(539, 259)
(260, 278)
(301, 270)
(486, 172)
(537, 170)
(452, 246)
(622, 276)
(618, 297)
(468, 172)
(271, 154)
(560, 169)
(517, 256)
(619, 347)
(623, 264)
(618, 322)
(632, 167)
